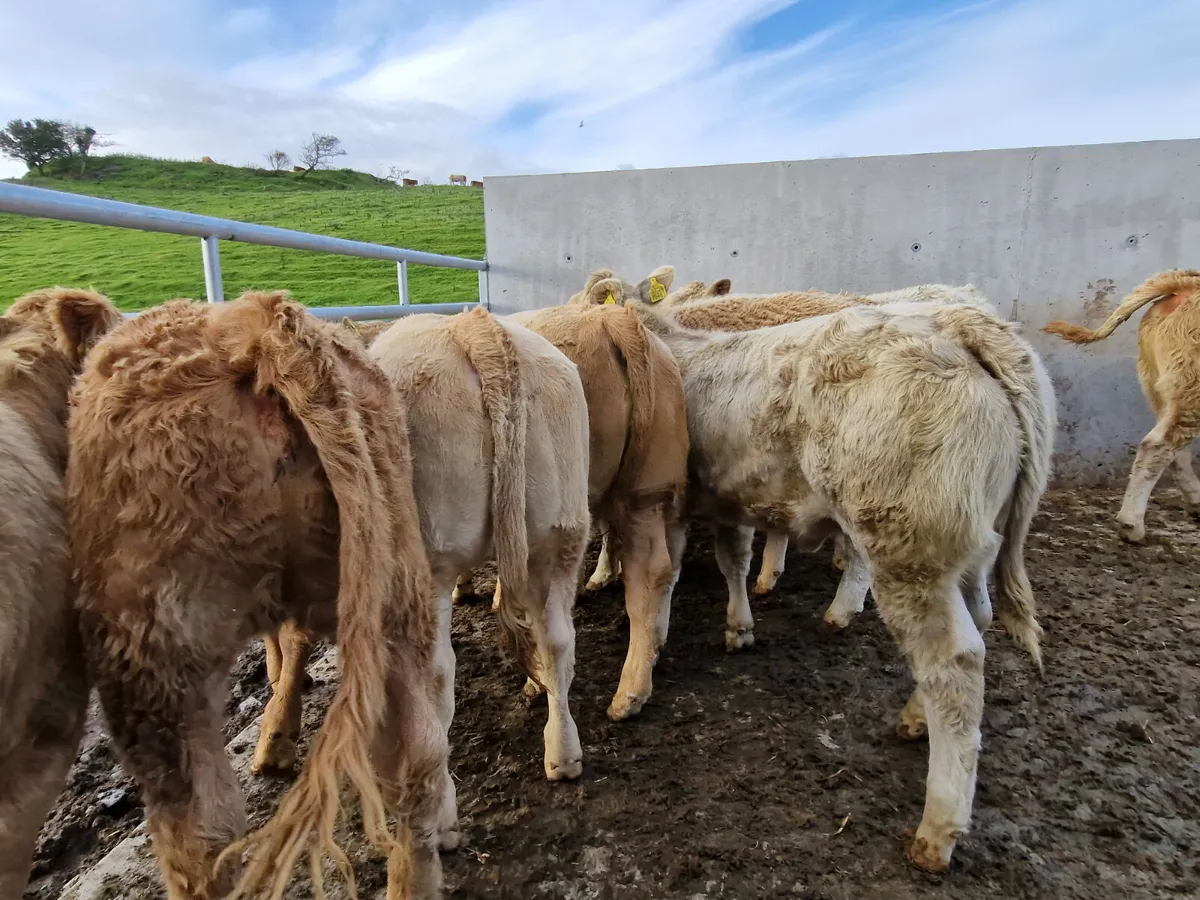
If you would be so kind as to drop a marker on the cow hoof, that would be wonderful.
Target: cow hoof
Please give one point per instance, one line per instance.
(738, 640)
(762, 588)
(567, 771)
(532, 689)
(830, 628)
(276, 756)
(839, 564)
(622, 708)
(597, 584)
(928, 858)
(1131, 532)
(911, 731)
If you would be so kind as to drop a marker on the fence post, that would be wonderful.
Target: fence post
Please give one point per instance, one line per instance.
(212, 269)
(402, 279)
(483, 289)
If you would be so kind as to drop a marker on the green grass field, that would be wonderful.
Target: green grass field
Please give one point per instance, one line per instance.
(138, 269)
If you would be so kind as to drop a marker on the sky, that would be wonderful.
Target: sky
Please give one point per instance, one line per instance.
(491, 87)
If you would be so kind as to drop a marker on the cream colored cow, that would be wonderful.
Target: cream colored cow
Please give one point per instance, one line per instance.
(1168, 368)
(741, 312)
(916, 436)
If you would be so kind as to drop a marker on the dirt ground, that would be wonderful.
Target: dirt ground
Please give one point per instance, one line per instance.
(776, 772)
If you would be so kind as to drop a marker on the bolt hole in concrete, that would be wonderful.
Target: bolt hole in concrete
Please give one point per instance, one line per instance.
(568, 257)
(734, 253)
(916, 248)
(1131, 240)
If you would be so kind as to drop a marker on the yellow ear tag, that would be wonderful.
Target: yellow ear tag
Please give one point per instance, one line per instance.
(608, 299)
(657, 290)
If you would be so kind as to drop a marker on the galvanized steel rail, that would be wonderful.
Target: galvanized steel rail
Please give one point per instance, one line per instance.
(47, 204)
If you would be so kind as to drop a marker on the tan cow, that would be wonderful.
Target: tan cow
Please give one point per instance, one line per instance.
(43, 685)
(408, 182)
(206, 159)
(638, 465)
(234, 466)
(1168, 368)
(916, 436)
(458, 179)
(486, 401)
(477, 184)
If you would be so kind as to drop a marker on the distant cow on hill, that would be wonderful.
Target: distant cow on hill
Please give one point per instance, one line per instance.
(408, 182)
(459, 179)
(476, 184)
(206, 159)
(298, 168)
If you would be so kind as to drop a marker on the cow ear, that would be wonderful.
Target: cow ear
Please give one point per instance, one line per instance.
(606, 292)
(656, 285)
(720, 287)
(80, 319)
(597, 275)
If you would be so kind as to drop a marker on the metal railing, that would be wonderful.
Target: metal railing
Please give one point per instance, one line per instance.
(47, 204)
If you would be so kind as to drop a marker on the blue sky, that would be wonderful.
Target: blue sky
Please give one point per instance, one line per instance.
(500, 86)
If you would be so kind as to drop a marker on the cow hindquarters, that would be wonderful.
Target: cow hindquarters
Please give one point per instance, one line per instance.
(945, 650)
(650, 575)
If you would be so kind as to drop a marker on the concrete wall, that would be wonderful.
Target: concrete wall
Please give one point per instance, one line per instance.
(1047, 233)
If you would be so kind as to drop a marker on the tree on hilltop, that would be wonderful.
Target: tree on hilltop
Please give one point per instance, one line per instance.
(35, 143)
(318, 151)
(278, 161)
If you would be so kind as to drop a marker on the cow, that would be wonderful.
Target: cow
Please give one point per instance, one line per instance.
(234, 466)
(638, 449)
(486, 401)
(206, 159)
(917, 436)
(408, 182)
(459, 179)
(746, 311)
(1168, 370)
(477, 184)
(44, 337)
(299, 169)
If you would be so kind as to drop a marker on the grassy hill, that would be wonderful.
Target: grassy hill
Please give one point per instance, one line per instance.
(138, 269)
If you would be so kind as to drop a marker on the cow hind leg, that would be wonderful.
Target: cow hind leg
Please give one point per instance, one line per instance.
(1157, 450)
(412, 754)
(608, 563)
(168, 734)
(464, 588)
(774, 554)
(551, 605)
(30, 781)
(840, 542)
(732, 546)
(442, 697)
(851, 593)
(945, 649)
(649, 582)
(1185, 476)
(287, 655)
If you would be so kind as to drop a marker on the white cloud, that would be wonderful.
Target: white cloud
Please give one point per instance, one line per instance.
(502, 85)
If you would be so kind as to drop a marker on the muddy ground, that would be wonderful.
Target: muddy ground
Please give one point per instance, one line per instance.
(776, 773)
